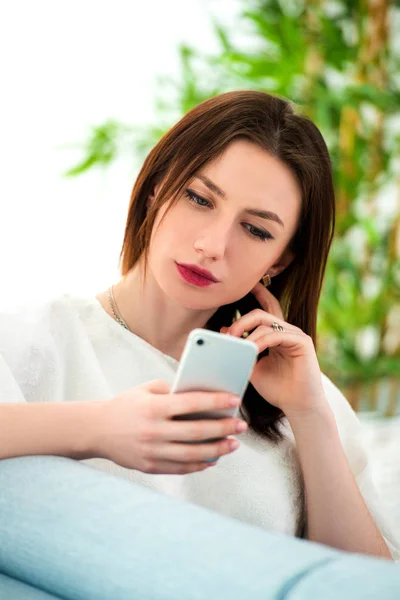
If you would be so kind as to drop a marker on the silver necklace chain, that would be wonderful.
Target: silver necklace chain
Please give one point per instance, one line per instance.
(119, 319)
(114, 308)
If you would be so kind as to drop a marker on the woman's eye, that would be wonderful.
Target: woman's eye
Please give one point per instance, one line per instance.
(255, 233)
(261, 235)
(195, 199)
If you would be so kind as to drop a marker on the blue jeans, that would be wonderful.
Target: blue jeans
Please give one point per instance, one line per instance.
(71, 532)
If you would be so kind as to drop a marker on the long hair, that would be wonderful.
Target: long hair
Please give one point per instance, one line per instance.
(200, 137)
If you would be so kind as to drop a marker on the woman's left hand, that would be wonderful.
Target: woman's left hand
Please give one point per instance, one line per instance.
(290, 377)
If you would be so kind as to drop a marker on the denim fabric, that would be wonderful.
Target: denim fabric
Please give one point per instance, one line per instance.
(83, 534)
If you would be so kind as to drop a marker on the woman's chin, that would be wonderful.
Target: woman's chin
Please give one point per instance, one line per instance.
(191, 297)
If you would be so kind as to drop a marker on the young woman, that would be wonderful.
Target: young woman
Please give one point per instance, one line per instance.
(239, 191)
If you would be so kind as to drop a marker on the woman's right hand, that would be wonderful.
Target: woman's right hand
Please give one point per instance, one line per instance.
(137, 429)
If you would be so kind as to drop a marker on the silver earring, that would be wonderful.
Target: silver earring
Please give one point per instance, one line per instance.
(266, 280)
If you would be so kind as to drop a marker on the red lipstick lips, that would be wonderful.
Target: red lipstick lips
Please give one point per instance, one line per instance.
(196, 275)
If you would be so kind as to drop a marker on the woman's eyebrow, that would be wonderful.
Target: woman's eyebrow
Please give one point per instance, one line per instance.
(264, 214)
(211, 185)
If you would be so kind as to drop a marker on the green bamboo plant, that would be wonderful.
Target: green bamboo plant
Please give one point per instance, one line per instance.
(338, 62)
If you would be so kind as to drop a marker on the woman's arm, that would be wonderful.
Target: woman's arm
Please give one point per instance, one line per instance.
(336, 512)
(290, 379)
(59, 428)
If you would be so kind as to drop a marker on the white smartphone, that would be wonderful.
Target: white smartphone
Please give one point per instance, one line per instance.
(215, 362)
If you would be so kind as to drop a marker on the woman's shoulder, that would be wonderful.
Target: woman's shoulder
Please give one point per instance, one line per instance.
(36, 339)
(40, 322)
(25, 314)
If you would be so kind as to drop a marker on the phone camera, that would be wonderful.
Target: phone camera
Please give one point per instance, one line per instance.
(200, 342)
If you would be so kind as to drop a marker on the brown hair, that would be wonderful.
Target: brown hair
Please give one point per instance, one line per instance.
(201, 136)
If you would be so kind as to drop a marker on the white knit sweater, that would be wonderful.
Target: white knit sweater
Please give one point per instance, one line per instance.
(69, 349)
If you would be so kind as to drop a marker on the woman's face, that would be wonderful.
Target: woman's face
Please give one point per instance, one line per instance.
(211, 226)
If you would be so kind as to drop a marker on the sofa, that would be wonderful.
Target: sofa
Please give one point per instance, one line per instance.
(71, 532)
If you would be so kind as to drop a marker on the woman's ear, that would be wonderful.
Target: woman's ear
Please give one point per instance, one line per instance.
(152, 195)
(284, 261)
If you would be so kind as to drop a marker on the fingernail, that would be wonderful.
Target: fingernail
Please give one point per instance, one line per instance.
(234, 444)
(240, 427)
(234, 401)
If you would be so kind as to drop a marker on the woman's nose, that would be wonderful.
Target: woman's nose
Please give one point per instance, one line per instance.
(213, 241)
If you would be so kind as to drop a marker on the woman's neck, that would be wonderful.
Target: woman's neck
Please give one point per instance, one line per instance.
(151, 315)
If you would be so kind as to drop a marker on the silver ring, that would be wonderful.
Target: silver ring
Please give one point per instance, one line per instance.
(276, 327)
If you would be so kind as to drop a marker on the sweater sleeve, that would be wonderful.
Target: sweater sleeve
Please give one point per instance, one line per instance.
(350, 432)
(28, 357)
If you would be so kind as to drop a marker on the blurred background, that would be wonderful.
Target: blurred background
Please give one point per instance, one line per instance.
(89, 87)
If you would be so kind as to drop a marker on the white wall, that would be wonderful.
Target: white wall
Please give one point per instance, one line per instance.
(64, 67)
